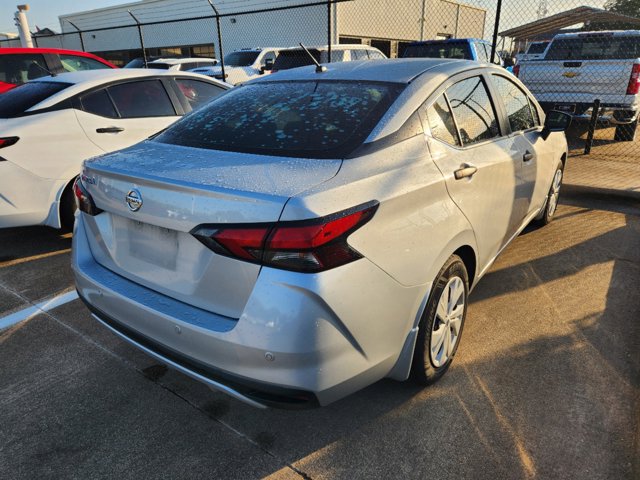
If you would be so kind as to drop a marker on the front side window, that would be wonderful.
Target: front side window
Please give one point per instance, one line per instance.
(20, 68)
(441, 122)
(73, 63)
(473, 111)
(312, 119)
(198, 93)
(142, 99)
(516, 103)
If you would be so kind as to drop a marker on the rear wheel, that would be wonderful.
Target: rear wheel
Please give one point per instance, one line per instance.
(67, 208)
(626, 133)
(441, 324)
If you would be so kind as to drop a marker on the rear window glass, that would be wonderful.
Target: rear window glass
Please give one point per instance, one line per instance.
(160, 66)
(294, 119)
(596, 47)
(439, 50)
(22, 98)
(299, 58)
(537, 47)
(240, 59)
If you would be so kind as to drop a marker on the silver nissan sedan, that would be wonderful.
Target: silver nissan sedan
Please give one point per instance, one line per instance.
(311, 232)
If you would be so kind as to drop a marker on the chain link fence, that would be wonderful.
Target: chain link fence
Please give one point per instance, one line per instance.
(588, 71)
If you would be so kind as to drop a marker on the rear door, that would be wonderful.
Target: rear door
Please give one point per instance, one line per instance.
(470, 150)
(123, 114)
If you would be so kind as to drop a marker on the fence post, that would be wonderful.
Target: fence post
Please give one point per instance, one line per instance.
(215, 10)
(79, 33)
(144, 52)
(329, 36)
(496, 27)
(592, 126)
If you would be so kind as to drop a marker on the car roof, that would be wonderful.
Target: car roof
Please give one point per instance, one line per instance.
(448, 40)
(86, 79)
(397, 70)
(59, 51)
(177, 61)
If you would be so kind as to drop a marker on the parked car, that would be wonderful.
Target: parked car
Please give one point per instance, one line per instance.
(579, 68)
(139, 62)
(181, 64)
(459, 48)
(297, 57)
(322, 231)
(19, 65)
(535, 51)
(242, 65)
(50, 125)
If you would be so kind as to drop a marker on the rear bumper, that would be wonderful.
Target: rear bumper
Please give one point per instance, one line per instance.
(616, 114)
(296, 345)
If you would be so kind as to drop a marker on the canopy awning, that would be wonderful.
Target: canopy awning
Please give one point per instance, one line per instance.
(566, 19)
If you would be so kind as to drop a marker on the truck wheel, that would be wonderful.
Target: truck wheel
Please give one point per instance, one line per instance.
(626, 133)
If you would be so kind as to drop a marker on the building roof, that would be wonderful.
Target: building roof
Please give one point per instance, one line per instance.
(566, 19)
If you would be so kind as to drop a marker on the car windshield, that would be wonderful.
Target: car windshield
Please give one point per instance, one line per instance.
(326, 119)
(594, 47)
(439, 50)
(20, 99)
(240, 59)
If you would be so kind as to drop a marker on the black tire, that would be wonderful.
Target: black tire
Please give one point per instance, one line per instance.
(67, 208)
(425, 370)
(626, 133)
(550, 205)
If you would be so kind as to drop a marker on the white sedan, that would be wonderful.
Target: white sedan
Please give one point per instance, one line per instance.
(50, 125)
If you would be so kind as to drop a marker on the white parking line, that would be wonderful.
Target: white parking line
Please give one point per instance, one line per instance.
(44, 306)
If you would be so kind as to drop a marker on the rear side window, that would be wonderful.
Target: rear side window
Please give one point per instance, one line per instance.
(73, 63)
(481, 52)
(99, 103)
(359, 55)
(142, 99)
(516, 104)
(376, 55)
(473, 111)
(18, 69)
(20, 99)
(594, 47)
(198, 93)
(441, 122)
(295, 119)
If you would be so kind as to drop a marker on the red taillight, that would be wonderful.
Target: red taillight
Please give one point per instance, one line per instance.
(307, 246)
(634, 81)
(516, 70)
(8, 141)
(84, 202)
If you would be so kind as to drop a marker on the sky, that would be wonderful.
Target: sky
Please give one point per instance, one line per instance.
(44, 13)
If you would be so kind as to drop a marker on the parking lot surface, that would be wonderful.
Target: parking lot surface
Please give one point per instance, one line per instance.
(545, 385)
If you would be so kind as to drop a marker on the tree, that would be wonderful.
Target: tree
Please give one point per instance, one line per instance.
(630, 8)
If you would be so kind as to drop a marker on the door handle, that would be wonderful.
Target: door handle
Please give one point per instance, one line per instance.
(109, 130)
(465, 170)
(527, 157)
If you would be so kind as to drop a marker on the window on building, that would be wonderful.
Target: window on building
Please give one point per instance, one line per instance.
(473, 111)
(142, 99)
(206, 51)
(383, 45)
(350, 40)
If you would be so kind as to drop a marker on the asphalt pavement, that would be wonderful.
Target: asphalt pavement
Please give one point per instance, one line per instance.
(546, 383)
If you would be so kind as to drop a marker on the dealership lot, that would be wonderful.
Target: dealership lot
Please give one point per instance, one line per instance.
(545, 384)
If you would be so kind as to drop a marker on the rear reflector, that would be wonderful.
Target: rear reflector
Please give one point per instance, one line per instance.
(634, 80)
(83, 200)
(307, 246)
(516, 70)
(8, 141)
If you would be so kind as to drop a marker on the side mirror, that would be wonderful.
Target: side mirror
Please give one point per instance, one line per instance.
(555, 122)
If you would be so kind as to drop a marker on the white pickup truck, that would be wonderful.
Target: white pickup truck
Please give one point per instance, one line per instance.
(579, 68)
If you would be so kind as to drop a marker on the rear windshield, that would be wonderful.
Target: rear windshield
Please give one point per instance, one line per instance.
(20, 99)
(240, 59)
(537, 47)
(160, 66)
(439, 50)
(299, 58)
(293, 119)
(597, 47)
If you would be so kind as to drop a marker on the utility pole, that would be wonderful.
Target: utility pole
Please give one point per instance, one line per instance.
(23, 26)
